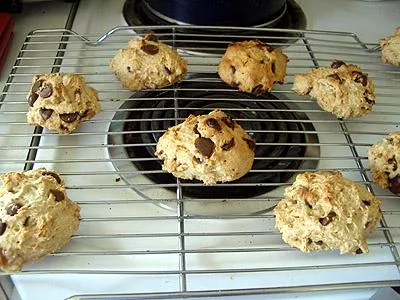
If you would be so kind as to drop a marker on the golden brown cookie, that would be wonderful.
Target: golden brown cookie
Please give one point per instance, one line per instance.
(36, 217)
(341, 89)
(211, 148)
(252, 66)
(61, 102)
(390, 47)
(148, 63)
(384, 161)
(324, 210)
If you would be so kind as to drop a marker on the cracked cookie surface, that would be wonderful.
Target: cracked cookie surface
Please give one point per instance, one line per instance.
(61, 102)
(384, 161)
(252, 66)
(341, 89)
(211, 148)
(36, 217)
(324, 210)
(148, 63)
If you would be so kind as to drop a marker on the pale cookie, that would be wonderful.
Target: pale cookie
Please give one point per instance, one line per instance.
(390, 47)
(148, 64)
(61, 102)
(324, 210)
(211, 148)
(341, 89)
(384, 161)
(252, 66)
(36, 217)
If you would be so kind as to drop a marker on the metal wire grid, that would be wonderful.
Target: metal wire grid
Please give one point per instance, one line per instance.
(124, 228)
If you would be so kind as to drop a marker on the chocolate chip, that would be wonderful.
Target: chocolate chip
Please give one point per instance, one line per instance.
(336, 77)
(45, 113)
(195, 130)
(337, 63)
(69, 118)
(13, 208)
(57, 194)
(3, 227)
(308, 204)
(359, 251)
(198, 160)
(85, 113)
(250, 143)
(229, 122)
(54, 175)
(325, 221)
(369, 101)
(360, 77)
(263, 46)
(273, 68)
(367, 224)
(394, 185)
(258, 90)
(233, 69)
(309, 241)
(205, 146)
(367, 202)
(78, 91)
(129, 68)
(319, 243)
(36, 86)
(151, 37)
(213, 124)
(32, 99)
(234, 84)
(228, 145)
(393, 161)
(46, 90)
(168, 71)
(149, 49)
(26, 221)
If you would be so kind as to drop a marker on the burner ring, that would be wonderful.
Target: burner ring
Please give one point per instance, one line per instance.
(159, 116)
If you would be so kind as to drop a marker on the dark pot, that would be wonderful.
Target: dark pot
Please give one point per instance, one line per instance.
(218, 12)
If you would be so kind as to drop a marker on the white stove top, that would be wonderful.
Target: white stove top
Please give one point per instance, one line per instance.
(96, 18)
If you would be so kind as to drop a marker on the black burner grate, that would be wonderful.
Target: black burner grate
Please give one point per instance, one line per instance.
(162, 116)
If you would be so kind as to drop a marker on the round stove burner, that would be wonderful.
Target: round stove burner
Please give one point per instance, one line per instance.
(137, 13)
(149, 114)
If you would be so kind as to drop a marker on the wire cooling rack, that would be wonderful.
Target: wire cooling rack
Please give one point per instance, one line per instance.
(170, 241)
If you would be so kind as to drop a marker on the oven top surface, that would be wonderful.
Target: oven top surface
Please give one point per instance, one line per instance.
(134, 225)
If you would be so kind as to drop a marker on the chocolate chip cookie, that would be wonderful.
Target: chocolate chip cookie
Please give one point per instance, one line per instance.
(61, 102)
(148, 63)
(211, 148)
(341, 89)
(390, 47)
(252, 66)
(324, 210)
(36, 217)
(384, 161)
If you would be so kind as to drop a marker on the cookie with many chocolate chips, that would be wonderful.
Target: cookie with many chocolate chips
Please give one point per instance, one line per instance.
(341, 89)
(390, 47)
(61, 102)
(148, 63)
(252, 66)
(384, 161)
(324, 210)
(36, 217)
(211, 148)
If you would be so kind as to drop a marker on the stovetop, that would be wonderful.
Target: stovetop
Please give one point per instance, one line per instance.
(85, 160)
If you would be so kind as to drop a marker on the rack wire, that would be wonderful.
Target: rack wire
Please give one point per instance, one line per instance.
(190, 246)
